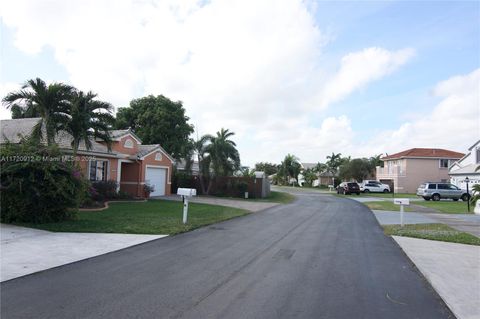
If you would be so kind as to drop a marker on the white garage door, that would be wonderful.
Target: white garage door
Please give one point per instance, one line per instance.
(157, 178)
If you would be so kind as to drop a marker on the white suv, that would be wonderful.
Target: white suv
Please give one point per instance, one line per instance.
(368, 186)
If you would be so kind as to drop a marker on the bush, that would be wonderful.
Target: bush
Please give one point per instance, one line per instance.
(104, 190)
(242, 188)
(37, 185)
(182, 179)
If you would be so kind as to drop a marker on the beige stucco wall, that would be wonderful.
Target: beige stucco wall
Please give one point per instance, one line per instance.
(412, 172)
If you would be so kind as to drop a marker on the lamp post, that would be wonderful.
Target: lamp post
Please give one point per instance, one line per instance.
(467, 180)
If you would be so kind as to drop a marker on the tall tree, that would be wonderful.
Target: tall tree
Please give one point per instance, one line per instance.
(267, 168)
(89, 119)
(333, 162)
(50, 102)
(358, 169)
(290, 168)
(223, 154)
(158, 120)
(200, 148)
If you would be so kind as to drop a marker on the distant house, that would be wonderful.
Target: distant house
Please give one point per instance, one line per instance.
(405, 171)
(467, 166)
(181, 165)
(323, 178)
(130, 163)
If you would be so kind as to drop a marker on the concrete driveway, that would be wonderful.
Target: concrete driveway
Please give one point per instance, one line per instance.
(25, 250)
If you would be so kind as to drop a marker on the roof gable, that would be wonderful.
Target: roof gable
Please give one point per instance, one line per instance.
(119, 134)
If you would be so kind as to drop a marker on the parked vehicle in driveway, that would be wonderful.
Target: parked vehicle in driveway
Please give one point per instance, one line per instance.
(347, 188)
(368, 186)
(437, 191)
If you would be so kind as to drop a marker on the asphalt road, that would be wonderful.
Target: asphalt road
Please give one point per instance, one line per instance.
(319, 257)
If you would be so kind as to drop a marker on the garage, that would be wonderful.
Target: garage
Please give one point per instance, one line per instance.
(156, 177)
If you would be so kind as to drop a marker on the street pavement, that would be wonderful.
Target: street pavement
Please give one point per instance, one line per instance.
(319, 257)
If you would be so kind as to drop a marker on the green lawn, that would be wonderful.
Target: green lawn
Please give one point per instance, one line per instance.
(152, 217)
(449, 207)
(386, 205)
(439, 232)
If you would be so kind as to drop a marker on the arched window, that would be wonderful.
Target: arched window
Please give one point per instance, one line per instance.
(158, 156)
(128, 143)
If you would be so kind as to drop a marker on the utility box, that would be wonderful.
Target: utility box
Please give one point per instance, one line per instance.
(189, 192)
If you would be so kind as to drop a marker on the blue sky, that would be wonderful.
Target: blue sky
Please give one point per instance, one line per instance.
(308, 78)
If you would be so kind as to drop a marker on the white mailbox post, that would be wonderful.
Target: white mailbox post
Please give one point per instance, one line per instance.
(402, 202)
(186, 193)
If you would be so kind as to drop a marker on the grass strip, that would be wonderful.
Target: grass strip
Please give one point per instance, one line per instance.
(386, 205)
(438, 232)
(151, 217)
(449, 207)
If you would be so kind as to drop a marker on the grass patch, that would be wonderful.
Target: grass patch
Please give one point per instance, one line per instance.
(278, 197)
(151, 217)
(438, 232)
(386, 205)
(449, 207)
(389, 195)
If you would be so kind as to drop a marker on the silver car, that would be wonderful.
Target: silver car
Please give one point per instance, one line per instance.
(437, 191)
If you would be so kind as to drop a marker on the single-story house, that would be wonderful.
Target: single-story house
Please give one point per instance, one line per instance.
(406, 170)
(323, 178)
(467, 166)
(130, 163)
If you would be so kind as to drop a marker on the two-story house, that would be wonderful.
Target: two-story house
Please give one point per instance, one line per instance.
(405, 171)
(467, 166)
(130, 163)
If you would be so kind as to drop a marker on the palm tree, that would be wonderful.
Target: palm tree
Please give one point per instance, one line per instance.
(50, 102)
(334, 161)
(290, 168)
(200, 147)
(89, 119)
(223, 154)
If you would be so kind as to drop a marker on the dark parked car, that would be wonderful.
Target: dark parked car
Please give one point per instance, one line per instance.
(346, 188)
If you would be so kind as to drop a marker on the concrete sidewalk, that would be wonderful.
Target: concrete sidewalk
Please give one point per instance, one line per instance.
(25, 250)
(452, 269)
(385, 217)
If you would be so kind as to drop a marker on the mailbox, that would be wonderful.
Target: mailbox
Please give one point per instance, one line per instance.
(186, 193)
(189, 192)
(401, 201)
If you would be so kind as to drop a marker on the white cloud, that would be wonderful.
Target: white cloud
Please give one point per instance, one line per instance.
(453, 123)
(360, 68)
(250, 66)
(6, 88)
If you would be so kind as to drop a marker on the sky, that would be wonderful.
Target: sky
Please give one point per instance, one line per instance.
(309, 78)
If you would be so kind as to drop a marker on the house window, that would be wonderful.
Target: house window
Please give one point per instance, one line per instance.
(478, 155)
(158, 156)
(128, 143)
(98, 170)
(444, 163)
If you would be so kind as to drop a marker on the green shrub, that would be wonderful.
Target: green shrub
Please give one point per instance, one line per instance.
(104, 190)
(242, 188)
(37, 185)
